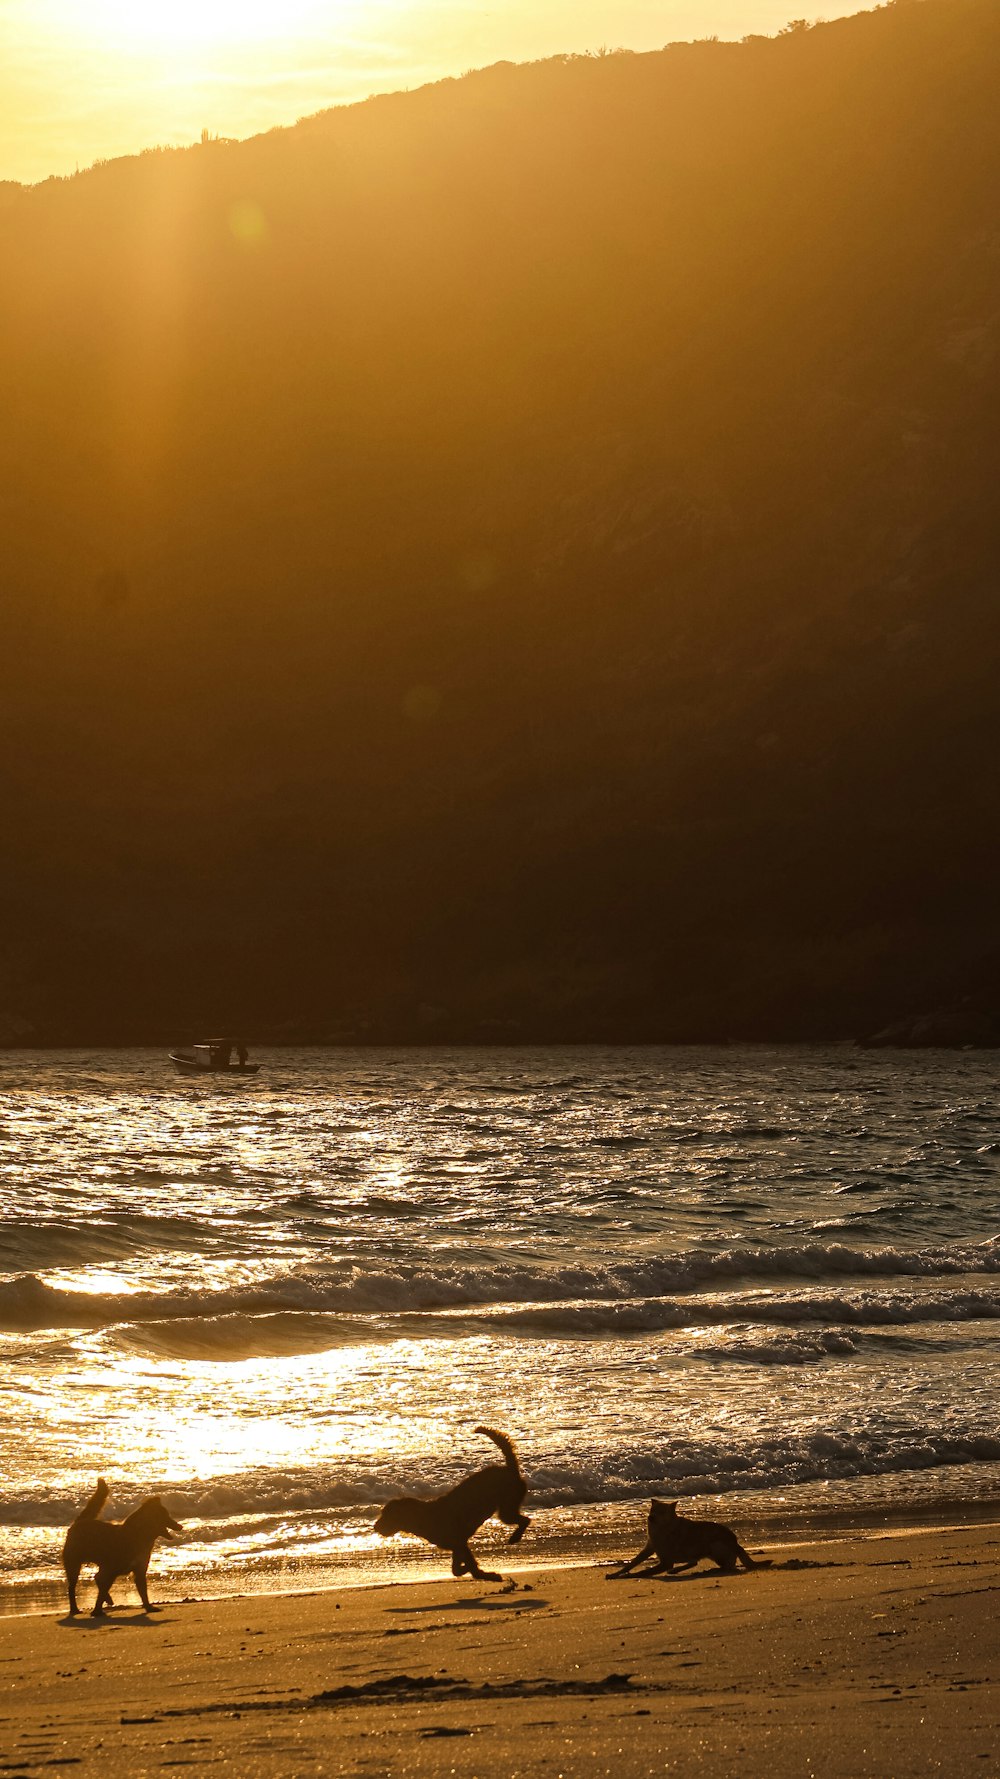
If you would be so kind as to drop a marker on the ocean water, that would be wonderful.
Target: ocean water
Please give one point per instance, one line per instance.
(764, 1280)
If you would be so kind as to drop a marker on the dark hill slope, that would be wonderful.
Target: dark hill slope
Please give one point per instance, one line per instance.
(515, 557)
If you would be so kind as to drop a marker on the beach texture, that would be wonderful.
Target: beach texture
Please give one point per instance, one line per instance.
(864, 1655)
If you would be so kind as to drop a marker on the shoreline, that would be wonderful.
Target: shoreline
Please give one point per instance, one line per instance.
(414, 1038)
(848, 1657)
(408, 1563)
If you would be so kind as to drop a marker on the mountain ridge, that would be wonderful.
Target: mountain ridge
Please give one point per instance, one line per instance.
(515, 557)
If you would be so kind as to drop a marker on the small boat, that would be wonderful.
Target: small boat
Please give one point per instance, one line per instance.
(213, 1057)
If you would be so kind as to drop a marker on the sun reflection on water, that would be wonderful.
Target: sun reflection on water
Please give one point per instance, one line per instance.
(280, 1306)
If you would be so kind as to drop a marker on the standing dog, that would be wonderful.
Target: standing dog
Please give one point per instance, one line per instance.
(450, 1520)
(118, 1547)
(677, 1543)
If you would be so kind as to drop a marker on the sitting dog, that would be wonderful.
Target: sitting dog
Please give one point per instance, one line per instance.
(118, 1547)
(677, 1543)
(450, 1520)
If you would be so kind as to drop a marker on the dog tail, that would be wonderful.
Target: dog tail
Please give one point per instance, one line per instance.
(506, 1446)
(96, 1502)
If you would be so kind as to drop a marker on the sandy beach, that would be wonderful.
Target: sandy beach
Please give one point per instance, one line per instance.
(862, 1655)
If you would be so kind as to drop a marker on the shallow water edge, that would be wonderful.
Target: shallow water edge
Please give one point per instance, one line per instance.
(597, 1534)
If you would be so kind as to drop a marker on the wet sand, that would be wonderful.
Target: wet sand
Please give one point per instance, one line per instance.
(865, 1655)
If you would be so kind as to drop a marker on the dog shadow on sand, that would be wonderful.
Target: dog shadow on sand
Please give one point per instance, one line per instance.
(762, 1565)
(479, 1603)
(135, 1621)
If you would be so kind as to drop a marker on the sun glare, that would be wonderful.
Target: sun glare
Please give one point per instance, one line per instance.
(179, 24)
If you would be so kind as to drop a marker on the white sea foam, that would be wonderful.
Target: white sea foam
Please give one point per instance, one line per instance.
(29, 1302)
(682, 1467)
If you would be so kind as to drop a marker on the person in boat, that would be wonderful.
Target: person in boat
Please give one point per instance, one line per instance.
(242, 1054)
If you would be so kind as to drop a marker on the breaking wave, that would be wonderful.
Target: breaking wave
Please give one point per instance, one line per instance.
(683, 1467)
(274, 1335)
(29, 1302)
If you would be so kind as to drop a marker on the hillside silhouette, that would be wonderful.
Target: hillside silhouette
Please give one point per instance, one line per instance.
(516, 559)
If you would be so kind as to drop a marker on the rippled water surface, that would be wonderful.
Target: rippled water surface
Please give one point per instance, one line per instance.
(770, 1275)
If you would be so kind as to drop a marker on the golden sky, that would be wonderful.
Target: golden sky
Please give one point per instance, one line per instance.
(80, 79)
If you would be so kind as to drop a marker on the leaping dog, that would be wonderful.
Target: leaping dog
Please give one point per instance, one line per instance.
(448, 1521)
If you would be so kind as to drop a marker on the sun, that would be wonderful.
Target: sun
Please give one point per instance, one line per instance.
(186, 24)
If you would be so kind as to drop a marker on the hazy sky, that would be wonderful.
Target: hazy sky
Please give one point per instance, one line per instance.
(86, 78)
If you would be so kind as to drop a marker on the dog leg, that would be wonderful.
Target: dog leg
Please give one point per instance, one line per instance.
(627, 1568)
(139, 1577)
(72, 1577)
(724, 1560)
(471, 1567)
(105, 1582)
(521, 1525)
